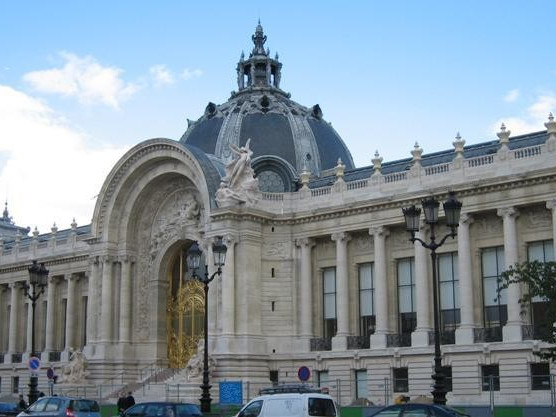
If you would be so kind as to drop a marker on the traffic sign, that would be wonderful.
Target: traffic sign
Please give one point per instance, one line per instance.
(34, 364)
(303, 373)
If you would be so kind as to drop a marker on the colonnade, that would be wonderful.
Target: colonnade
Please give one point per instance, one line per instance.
(464, 334)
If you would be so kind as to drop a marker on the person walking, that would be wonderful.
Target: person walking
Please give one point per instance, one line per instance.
(121, 404)
(129, 401)
(22, 404)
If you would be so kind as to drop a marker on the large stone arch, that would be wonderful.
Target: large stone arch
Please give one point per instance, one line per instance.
(155, 197)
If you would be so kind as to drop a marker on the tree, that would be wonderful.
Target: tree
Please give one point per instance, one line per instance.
(540, 280)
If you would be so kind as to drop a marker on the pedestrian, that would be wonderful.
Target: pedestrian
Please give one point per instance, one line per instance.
(122, 401)
(22, 404)
(130, 401)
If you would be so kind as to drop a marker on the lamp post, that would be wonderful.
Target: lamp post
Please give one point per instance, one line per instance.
(193, 262)
(38, 275)
(452, 209)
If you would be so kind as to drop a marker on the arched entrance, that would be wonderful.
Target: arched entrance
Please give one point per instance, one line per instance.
(185, 311)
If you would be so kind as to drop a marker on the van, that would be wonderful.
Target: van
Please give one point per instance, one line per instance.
(290, 405)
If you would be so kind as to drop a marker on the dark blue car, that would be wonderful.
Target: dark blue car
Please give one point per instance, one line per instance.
(419, 410)
(9, 409)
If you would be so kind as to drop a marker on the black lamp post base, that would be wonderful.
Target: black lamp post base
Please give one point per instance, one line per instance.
(205, 399)
(33, 394)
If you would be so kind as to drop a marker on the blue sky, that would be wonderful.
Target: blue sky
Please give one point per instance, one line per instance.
(82, 82)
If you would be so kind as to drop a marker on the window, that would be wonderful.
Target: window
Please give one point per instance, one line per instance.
(322, 379)
(491, 377)
(366, 300)
(495, 310)
(401, 381)
(329, 287)
(15, 384)
(320, 407)
(542, 251)
(540, 376)
(447, 372)
(252, 410)
(361, 386)
(406, 295)
(449, 291)
(53, 404)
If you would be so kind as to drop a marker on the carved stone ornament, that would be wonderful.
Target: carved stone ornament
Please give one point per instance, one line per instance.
(239, 186)
(539, 219)
(275, 250)
(75, 371)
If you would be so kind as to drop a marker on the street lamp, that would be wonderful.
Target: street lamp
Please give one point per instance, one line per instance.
(38, 276)
(452, 209)
(193, 262)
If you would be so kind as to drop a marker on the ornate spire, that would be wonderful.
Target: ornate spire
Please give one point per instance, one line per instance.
(6, 215)
(259, 70)
(259, 38)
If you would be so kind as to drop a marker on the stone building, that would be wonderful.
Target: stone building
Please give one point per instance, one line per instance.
(319, 271)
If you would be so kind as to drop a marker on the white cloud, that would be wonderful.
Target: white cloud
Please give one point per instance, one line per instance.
(161, 75)
(85, 79)
(50, 173)
(188, 73)
(511, 95)
(532, 121)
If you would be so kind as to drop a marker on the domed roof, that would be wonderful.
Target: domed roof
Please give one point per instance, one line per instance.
(282, 132)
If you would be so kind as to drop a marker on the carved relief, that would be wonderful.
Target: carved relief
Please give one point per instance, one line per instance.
(275, 250)
(362, 243)
(538, 219)
(167, 216)
(489, 225)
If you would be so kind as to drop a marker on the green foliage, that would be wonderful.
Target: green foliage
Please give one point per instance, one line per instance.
(540, 280)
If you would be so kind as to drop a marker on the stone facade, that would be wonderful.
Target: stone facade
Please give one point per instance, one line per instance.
(273, 308)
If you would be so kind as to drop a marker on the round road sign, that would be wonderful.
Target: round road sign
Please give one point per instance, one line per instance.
(303, 373)
(34, 363)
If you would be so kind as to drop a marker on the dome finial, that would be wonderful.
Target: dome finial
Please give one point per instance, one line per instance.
(259, 38)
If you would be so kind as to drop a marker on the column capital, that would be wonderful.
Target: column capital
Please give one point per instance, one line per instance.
(466, 219)
(93, 260)
(17, 285)
(106, 258)
(379, 231)
(339, 236)
(230, 239)
(507, 212)
(73, 276)
(126, 258)
(551, 204)
(53, 279)
(305, 241)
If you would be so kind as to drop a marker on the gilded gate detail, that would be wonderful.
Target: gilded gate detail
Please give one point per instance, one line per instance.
(185, 314)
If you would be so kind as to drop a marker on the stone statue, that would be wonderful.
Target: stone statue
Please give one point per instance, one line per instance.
(239, 185)
(75, 370)
(194, 367)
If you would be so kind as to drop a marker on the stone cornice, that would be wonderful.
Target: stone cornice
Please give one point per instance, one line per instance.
(473, 188)
(55, 261)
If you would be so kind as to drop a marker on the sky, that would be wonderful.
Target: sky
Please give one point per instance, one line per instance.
(83, 82)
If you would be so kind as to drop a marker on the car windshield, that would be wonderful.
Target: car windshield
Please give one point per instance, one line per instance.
(321, 407)
(84, 405)
(187, 410)
(454, 412)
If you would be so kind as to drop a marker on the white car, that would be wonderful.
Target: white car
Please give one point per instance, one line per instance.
(290, 405)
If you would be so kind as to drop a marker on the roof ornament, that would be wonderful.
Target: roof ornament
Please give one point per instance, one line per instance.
(259, 39)
(377, 163)
(551, 130)
(6, 215)
(458, 146)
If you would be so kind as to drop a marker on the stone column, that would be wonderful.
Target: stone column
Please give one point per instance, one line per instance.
(50, 336)
(305, 289)
(29, 334)
(71, 323)
(92, 302)
(464, 333)
(3, 313)
(512, 330)
(14, 314)
(423, 288)
(551, 205)
(125, 299)
(229, 287)
(378, 339)
(339, 342)
(107, 300)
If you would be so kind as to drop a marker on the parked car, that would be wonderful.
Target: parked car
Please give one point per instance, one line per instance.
(62, 407)
(9, 409)
(280, 402)
(419, 410)
(163, 409)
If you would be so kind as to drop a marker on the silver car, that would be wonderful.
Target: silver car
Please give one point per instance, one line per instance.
(62, 407)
